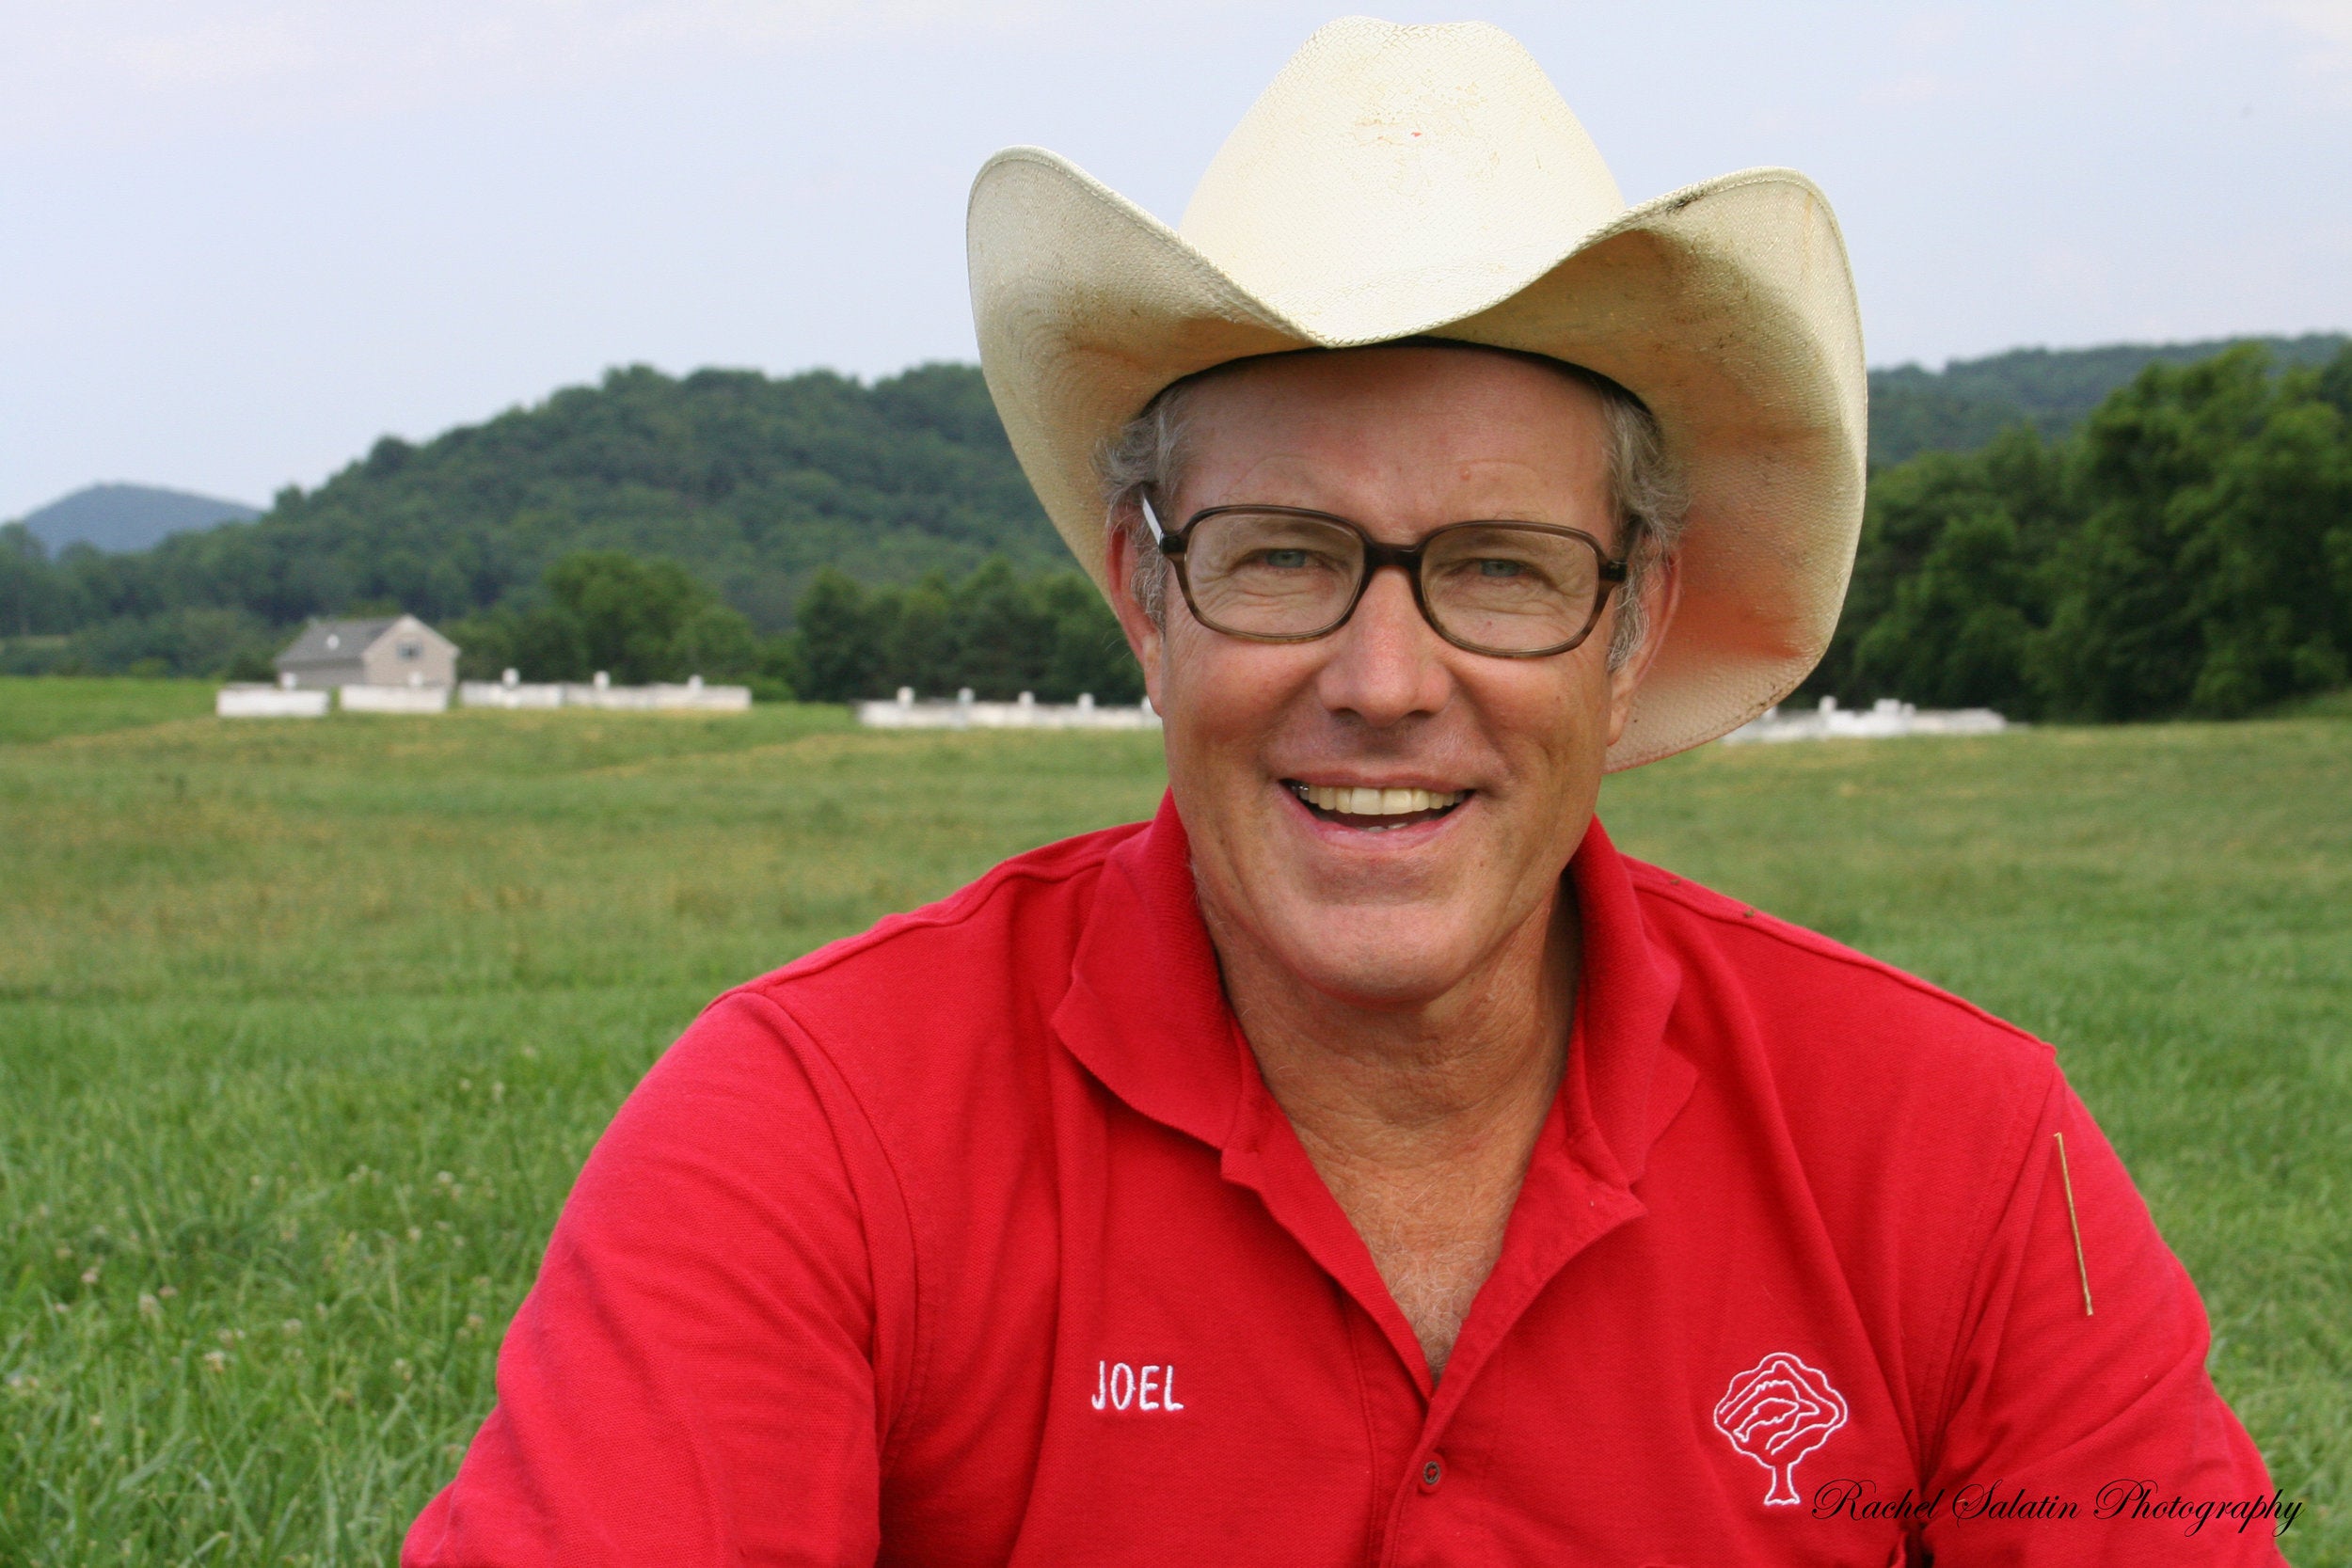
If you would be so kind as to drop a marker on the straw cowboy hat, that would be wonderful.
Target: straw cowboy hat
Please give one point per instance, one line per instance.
(1403, 182)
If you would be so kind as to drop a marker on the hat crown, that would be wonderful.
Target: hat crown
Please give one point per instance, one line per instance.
(1387, 164)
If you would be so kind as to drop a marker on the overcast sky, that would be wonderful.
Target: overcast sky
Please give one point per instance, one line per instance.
(239, 239)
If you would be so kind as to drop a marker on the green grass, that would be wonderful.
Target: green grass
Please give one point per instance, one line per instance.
(45, 707)
(305, 1028)
(2326, 705)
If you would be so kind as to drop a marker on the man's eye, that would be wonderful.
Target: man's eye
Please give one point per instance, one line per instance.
(1494, 568)
(1282, 560)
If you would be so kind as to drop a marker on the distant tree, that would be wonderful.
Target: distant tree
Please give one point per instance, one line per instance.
(921, 648)
(1946, 588)
(606, 610)
(839, 659)
(550, 645)
(1910, 413)
(625, 614)
(2334, 384)
(486, 642)
(1090, 653)
(716, 642)
(996, 632)
(1007, 634)
(190, 641)
(25, 582)
(1956, 632)
(945, 399)
(2269, 540)
(2128, 635)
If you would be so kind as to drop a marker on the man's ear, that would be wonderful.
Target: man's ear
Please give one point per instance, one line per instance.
(1121, 560)
(1662, 595)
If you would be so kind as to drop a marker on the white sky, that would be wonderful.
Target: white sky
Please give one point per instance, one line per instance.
(239, 239)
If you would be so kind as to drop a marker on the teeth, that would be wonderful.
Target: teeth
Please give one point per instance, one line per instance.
(1376, 802)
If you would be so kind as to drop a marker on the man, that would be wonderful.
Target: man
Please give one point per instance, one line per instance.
(1362, 1162)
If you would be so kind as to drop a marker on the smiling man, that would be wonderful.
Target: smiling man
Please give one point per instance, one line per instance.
(1362, 1162)
(1382, 772)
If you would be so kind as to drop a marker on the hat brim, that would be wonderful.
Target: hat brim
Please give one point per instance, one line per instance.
(1726, 306)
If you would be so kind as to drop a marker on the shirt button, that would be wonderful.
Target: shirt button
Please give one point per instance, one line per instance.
(1432, 1473)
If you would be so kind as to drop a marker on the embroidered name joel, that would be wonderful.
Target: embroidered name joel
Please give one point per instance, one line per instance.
(1119, 1385)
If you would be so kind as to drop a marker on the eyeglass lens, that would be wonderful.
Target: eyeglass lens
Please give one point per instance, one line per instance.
(1490, 585)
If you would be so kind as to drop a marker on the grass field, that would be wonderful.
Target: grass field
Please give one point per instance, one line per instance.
(306, 1026)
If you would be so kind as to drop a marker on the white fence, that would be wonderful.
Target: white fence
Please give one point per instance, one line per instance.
(392, 699)
(1027, 714)
(246, 699)
(1882, 720)
(243, 701)
(509, 694)
(694, 695)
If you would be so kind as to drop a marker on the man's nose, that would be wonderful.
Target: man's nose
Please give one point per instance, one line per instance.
(1387, 663)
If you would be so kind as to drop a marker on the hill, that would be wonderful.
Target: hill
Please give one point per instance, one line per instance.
(129, 516)
(751, 483)
(1966, 403)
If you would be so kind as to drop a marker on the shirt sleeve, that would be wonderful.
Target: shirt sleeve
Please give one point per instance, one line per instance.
(691, 1379)
(2078, 1383)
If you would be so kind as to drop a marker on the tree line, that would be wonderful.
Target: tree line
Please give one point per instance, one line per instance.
(1964, 404)
(607, 612)
(2186, 551)
(993, 632)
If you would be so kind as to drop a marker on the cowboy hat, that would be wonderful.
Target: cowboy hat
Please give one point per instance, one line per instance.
(1400, 181)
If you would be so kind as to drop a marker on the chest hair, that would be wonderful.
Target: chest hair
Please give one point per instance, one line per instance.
(1434, 1240)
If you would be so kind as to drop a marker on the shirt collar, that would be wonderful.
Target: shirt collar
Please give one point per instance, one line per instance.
(1146, 1012)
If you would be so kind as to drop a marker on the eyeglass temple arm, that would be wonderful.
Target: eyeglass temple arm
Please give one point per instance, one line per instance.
(1159, 535)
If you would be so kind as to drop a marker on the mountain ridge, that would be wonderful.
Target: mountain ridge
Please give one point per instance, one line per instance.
(122, 518)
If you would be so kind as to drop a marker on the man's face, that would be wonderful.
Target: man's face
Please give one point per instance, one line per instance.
(1383, 910)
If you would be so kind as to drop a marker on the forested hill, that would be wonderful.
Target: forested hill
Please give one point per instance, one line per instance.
(752, 483)
(1967, 402)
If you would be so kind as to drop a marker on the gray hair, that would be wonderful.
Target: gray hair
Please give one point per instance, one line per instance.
(1149, 453)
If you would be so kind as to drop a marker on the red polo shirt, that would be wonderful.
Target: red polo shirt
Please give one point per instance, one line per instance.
(977, 1239)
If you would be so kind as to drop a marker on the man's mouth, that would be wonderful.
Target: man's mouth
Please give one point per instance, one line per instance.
(1375, 810)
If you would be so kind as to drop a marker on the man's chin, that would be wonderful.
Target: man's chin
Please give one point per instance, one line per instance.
(1379, 957)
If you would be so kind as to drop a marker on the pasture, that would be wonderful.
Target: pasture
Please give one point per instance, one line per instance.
(305, 1028)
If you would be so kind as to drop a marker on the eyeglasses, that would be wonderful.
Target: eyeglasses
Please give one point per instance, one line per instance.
(1282, 574)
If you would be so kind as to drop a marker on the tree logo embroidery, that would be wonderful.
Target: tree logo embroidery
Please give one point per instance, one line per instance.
(1777, 1412)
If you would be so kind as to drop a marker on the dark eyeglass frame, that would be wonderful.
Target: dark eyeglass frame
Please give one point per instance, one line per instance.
(1172, 544)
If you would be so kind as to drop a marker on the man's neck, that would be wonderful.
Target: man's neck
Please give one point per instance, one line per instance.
(1421, 1120)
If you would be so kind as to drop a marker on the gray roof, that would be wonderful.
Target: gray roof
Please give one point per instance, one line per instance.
(351, 640)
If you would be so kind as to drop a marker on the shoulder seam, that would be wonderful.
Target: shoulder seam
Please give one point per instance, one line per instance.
(1651, 880)
(954, 909)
